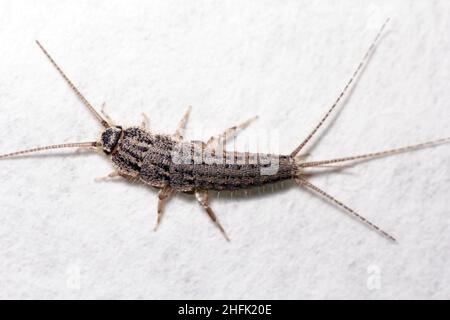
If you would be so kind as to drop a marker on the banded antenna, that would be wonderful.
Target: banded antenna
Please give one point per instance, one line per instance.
(87, 145)
(81, 145)
(74, 88)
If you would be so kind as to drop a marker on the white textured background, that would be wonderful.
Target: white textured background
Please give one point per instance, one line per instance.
(64, 236)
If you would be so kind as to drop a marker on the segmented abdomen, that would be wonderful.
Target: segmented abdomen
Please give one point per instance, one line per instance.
(231, 173)
(158, 160)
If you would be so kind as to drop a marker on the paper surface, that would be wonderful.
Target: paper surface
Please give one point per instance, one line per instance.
(64, 236)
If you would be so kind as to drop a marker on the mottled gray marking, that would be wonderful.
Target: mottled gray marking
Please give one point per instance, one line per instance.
(149, 157)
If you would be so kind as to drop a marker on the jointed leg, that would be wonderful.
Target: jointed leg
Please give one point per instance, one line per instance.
(163, 196)
(110, 176)
(91, 148)
(107, 117)
(145, 124)
(178, 135)
(229, 133)
(115, 174)
(202, 198)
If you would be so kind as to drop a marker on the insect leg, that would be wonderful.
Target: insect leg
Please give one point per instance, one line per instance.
(353, 213)
(178, 135)
(163, 196)
(132, 177)
(347, 86)
(107, 117)
(229, 133)
(92, 148)
(145, 124)
(202, 198)
(110, 176)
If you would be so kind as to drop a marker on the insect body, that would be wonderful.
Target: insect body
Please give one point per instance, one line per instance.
(152, 158)
(172, 164)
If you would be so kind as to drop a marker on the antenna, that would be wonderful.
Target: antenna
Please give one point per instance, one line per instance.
(74, 88)
(51, 147)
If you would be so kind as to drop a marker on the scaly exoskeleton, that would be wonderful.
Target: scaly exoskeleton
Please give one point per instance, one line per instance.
(172, 164)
